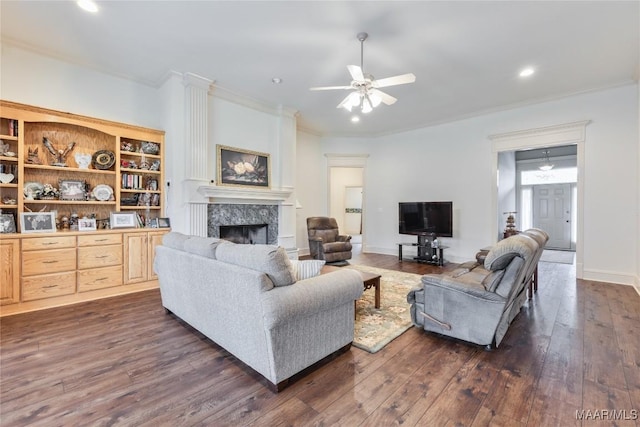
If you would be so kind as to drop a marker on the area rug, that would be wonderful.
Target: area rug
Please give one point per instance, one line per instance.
(560, 257)
(375, 327)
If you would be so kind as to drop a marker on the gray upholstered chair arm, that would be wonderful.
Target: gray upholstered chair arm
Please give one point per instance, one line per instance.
(306, 297)
(453, 284)
(316, 239)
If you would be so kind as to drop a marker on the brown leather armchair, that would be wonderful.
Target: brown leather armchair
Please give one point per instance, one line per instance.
(325, 241)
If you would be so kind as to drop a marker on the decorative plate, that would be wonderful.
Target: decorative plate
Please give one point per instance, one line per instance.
(103, 159)
(32, 190)
(102, 192)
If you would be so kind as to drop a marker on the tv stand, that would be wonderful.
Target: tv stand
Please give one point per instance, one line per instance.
(426, 253)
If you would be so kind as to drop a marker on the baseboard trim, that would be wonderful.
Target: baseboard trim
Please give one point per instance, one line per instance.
(609, 277)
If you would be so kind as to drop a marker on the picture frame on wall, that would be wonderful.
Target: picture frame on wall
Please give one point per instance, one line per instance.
(38, 222)
(7, 223)
(246, 168)
(122, 220)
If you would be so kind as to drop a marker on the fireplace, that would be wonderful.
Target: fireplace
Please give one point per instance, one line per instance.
(246, 234)
(246, 217)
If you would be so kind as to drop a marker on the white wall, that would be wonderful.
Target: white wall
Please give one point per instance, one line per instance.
(453, 162)
(638, 201)
(311, 185)
(34, 79)
(506, 189)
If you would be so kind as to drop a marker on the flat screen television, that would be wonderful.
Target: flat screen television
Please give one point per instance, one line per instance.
(424, 218)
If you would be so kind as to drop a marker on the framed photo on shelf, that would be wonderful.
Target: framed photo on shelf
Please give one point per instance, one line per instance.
(7, 223)
(38, 222)
(238, 167)
(72, 189)
(87, 224)
(122, 220)
(164, 223)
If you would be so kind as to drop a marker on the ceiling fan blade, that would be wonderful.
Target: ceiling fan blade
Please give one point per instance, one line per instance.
(356, 73)
(387, 99)
(395, 80)
(330, 87)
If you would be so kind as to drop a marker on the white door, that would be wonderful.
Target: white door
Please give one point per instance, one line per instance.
(353, 210)
(552, 213)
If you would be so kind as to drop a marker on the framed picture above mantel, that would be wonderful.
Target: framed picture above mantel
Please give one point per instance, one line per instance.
(239, 167)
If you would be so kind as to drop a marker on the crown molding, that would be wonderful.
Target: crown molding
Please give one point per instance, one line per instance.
(220, 92)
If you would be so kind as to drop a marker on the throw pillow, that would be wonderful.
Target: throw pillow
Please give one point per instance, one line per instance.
(268, 259)
(306, 269)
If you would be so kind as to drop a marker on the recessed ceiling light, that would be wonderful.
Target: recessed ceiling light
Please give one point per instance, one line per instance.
(355, 119)
(88, 5)
(526, 72)
(276, 80)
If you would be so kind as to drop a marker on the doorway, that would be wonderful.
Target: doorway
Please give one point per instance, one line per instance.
(347, 195)
(545, 138)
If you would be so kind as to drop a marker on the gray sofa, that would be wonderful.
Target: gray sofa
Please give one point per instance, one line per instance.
(477, 302)
(246, 299)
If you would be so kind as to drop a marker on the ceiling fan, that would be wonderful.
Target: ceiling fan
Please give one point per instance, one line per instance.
(365, 93)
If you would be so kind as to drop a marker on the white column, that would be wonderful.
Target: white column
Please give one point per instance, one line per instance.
(196, 146)
(286, 179)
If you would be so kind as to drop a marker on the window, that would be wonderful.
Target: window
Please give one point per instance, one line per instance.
(553, 176)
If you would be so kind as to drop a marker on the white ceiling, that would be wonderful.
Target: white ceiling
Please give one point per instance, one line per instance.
(466, 55)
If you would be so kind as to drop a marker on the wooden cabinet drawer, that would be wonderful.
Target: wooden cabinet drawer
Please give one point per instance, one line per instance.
(98, 278)
(56, 242)
(100, 239)
(99, 256)
(48, 285)
(45, 262)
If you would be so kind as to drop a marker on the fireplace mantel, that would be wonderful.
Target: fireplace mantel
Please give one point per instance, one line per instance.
(218, 194)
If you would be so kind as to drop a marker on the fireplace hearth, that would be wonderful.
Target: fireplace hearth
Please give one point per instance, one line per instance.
(251, 234)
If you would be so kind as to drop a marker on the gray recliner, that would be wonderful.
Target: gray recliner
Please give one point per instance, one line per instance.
(477, 302)
(326, 242)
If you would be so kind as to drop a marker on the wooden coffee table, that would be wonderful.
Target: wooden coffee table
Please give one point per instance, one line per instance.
(369, 280)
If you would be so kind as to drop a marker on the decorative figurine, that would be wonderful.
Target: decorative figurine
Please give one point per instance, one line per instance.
(510, 228)
(83, 160)
(32, 156)
(59, 156)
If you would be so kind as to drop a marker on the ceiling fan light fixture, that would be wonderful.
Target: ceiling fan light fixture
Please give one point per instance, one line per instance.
(366, 94)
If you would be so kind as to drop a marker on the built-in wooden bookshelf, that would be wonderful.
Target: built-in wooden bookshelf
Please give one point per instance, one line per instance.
(66, 265)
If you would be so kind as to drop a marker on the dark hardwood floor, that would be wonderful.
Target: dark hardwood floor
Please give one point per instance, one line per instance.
(123, 361)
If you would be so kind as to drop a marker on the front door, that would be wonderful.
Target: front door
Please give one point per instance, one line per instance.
(552, 213)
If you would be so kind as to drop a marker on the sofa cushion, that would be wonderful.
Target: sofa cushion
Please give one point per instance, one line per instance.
(492, 280)
(505, 250)
(204, 246)
(307, 268)
(268, 259)
(175, 240)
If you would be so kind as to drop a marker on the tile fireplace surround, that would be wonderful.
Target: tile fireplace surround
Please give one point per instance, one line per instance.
(242, 214)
